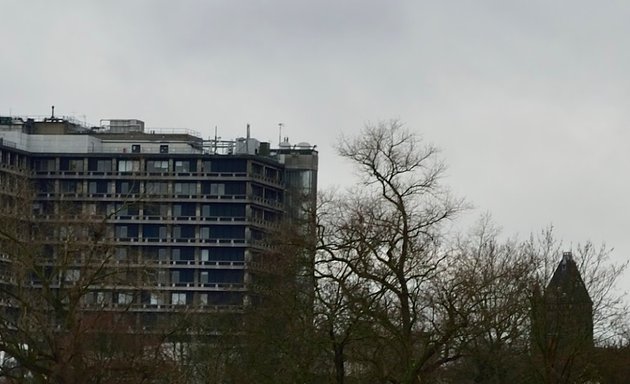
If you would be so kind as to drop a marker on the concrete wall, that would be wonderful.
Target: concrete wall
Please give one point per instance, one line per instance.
(52, 143)
(85, 144)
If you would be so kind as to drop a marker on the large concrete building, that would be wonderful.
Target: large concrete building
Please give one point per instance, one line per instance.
(189, 212)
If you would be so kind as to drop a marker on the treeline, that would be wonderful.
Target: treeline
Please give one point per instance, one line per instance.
(395, 297)
(367, 285)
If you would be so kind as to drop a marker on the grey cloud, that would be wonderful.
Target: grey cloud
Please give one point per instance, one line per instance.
(527, 99)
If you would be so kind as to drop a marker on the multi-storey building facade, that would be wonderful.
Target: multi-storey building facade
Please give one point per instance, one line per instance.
(184, 216)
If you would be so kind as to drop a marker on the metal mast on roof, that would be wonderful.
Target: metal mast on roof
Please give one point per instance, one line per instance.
(280, 125)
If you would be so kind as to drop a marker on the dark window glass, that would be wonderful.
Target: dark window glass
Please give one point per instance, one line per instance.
(227, 232)
(229, 165)
(225, 276)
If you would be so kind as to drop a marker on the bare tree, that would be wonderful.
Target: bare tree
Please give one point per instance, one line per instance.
(383, 252)
(526, 326)
(568, 320)
(53, 326)
(499, 278)
(598, 271)
(340, 297)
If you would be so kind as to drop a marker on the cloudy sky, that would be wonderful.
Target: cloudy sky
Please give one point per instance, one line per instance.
(527, 99)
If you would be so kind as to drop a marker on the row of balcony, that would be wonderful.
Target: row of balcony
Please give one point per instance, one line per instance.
(145, 174)
(165, 287)
(98, 175)
(131, 197)
(196, 307)
(198, 241)
(152, 263)
(133, 219)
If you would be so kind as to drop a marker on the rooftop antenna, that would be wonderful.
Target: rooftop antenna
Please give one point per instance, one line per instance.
(280, 125)
(216, 139)
(53, 112)
(247, 140)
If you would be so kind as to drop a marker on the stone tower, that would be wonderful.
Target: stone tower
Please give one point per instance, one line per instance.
(562, 325)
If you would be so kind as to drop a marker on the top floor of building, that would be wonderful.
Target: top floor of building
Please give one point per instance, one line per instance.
(64, 147)
(128, 138)
(118, 136)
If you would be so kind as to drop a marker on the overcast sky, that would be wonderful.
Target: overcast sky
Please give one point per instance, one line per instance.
(527, 99)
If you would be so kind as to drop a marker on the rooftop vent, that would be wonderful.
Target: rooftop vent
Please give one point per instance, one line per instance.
(126, 126)
(285, 143)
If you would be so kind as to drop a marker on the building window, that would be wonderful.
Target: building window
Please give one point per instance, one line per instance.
(162, 277)
(124, 298)
(121, 254)
(257, 169)
(150, 231)
(72, 275)
(154, 210)
(178, 298)
(156, 188)
(44, 164)
(185, 188)
(217, 189)
(150, 255)
(157, 166)
(109, 209)
(126, 210)
(182, 166)
(98, 187)
(230, 276)
(227, 232)
(75, 165)
(128, 165)
(184, 210)
(227, 254)
(99, 165)
(203, 277)
(205, 255)
(271, 173)
(257, 191)
(175, 277)
(229, 165)
(45, 186)
(163, 254)
(121, 231)
(70, 186)
(102, 298)
(104, 166)
(223, 210)
(184, 232)
(127, 187)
